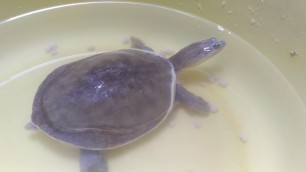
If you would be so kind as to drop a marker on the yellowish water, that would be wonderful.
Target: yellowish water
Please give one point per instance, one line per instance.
(257, 127)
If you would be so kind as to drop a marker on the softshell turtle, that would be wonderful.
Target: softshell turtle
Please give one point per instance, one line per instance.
(111, 99)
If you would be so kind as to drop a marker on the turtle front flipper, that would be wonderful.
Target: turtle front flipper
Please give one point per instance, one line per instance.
(192, 101)
(92, 161)
(139, 44)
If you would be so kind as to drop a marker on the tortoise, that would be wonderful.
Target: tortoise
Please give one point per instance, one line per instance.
(113, 98)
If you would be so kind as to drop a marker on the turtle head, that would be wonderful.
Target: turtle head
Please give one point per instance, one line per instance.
(196, 53)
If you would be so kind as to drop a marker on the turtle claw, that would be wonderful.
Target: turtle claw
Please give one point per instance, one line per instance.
(29, 126)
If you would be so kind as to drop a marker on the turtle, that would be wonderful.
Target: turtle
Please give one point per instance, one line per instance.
(111, 99)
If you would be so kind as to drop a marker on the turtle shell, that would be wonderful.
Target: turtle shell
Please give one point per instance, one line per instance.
(106, 100)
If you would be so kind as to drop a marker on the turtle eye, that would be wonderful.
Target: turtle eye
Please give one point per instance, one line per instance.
(216, 45)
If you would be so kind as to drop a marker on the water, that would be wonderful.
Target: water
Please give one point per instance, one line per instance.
(257, 109)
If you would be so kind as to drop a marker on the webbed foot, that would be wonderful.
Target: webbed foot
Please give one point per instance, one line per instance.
(192, 101)
(139, 44)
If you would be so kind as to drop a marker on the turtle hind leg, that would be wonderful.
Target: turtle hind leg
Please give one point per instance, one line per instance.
(192, 101)
(92, 161)
(139, 44)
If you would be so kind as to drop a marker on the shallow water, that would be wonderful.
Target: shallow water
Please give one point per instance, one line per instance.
(256, 128)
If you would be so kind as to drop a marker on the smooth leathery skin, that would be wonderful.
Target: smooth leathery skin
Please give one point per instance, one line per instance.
(106, 100)
(196, 53)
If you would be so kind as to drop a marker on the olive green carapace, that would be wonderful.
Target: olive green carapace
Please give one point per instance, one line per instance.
(106, 100)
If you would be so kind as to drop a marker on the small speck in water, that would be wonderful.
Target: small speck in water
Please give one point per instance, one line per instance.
(229, 12)
(283, 16)
(171, 124)
(244, 138)
(203, 84)
(52, 49)
(251, 9)
(212, 78)
(276, 40)
(125, 40)
(220, 28)
(200, 7)
(223, 3)
(293, 53)
(180, 4)
(91, 48)
(253, 21)
(213, 108)
(222, 83)
(235, 25)
(197, 124)
(166, 52)
(262, 2)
